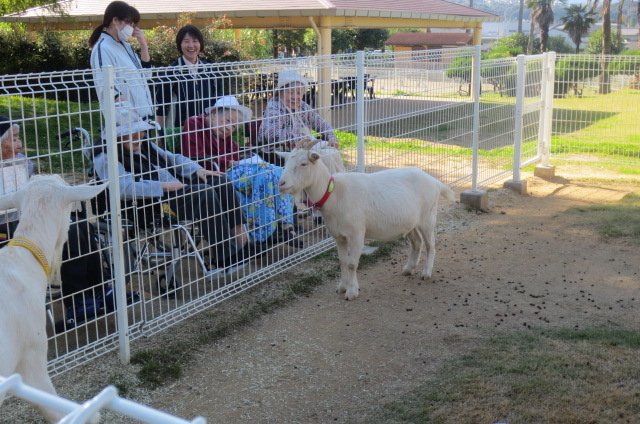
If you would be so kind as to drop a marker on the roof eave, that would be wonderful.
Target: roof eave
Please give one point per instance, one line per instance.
(269, 13)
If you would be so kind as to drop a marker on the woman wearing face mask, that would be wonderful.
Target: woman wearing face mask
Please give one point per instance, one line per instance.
(111, 48)
(191, 86)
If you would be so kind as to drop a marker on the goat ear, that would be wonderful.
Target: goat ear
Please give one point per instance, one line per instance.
(9, 201)
(313, 157)
(84, 192)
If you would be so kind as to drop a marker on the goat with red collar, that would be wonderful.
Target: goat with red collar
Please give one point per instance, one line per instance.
(384, 205)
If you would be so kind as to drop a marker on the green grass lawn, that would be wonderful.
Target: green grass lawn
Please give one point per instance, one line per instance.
(606, 127)
(42, 120)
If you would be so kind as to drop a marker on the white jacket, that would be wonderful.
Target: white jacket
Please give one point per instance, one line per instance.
(131, 79)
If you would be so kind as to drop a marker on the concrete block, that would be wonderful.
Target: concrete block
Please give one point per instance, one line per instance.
(475, 199)
(545, 172)
(517, 186)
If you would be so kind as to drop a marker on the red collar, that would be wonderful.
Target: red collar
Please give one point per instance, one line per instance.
(327, 193)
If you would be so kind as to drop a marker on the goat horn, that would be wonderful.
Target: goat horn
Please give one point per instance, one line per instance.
(302, 143)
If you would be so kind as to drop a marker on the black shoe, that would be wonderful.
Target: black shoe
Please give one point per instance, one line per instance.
(248, 252)
(291, 236)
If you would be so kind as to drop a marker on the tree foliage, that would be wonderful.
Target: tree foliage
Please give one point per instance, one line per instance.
(559, 44)
(347, 40)
(571, 70)
(542, 15)
(12, 6)
(594, 44)
(577, 22)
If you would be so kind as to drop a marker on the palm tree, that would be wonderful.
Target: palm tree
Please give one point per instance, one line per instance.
(577, 22)
(603, 86)
(542, 15)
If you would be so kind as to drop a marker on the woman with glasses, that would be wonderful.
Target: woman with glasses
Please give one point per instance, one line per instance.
(288, 118)
(110, 47)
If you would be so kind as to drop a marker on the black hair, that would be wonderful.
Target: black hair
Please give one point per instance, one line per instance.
(5, 125)
(191, 30)
(116, 9)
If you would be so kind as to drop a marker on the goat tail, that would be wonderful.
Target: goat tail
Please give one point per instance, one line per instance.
(446, 192)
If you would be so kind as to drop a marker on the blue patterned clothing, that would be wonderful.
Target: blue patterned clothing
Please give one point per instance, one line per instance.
(263, 205)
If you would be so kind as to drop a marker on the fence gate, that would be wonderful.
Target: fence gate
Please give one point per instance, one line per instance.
(514, 108)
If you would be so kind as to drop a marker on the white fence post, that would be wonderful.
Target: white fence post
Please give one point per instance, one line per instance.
(360, 107)
(108, 110)
(544, 142)
(477, 85)
(517, 131)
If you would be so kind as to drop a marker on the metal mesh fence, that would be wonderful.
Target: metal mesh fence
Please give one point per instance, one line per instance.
(161, 253)
(596, 112)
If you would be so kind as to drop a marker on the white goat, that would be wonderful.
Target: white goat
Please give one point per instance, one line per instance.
(45, 203)
(384, 205)
(330, 156)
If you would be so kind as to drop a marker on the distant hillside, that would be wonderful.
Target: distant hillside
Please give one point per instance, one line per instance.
(508, 9)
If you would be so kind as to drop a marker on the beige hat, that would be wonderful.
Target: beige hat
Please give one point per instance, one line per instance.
(230, 102)
(289, 76)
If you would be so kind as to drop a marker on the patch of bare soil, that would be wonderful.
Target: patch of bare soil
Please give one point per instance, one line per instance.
(323, 359)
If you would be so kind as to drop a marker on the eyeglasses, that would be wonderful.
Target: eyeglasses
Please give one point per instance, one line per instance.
(128, 22)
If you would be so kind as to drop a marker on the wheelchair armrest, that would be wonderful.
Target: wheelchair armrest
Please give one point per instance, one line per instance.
(201, 159)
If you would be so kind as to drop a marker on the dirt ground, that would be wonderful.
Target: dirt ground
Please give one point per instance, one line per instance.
(322, 359)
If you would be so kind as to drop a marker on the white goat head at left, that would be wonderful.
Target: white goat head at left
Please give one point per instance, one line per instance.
(45, 204)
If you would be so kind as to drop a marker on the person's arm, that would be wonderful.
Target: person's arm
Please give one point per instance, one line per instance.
(129, 187)
(227, 153)
(193, 142)
(163, 96)
(103, 55)
(145, 58)
(274, 129)
(315, 122)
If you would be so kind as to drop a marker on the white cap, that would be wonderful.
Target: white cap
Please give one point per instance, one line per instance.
(289, 76)
(230, 102)
(128, 121)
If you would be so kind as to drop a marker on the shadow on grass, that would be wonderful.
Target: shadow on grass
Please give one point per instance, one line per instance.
(571, 120)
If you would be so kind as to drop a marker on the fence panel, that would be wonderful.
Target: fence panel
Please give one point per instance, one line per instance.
(418, 111)
(596, 112)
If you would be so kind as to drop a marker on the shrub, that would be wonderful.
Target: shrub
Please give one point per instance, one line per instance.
(573, 69)
(594, 44)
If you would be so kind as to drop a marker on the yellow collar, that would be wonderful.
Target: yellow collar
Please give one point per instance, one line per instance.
(34, 249)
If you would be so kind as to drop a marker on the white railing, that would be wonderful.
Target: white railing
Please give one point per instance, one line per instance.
(413, 110)
(77, 413)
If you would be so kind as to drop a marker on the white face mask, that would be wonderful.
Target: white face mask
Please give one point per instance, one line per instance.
(125, 33)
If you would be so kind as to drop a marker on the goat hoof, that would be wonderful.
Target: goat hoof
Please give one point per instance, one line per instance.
(351, 296)
(425, 276)
(407, 272)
